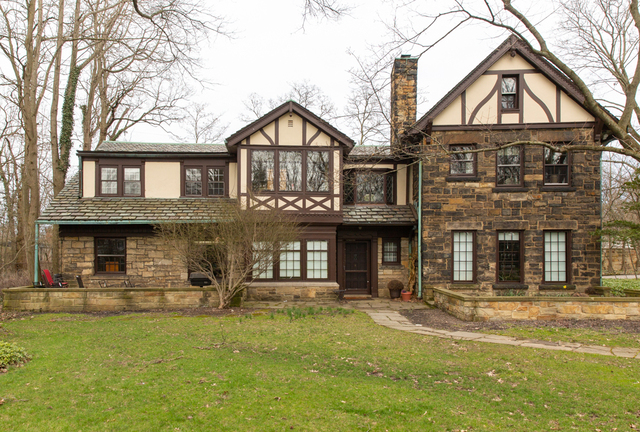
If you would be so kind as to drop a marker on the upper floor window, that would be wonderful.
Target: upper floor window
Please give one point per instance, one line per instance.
(509, 91)
(556, 168)
(202, 181)
(132, 181)
(317, 171)
(283, 171)
(509, 166)
(462, 164)
(215, 184)
(109, 181)
(193, 182)
(368, 187)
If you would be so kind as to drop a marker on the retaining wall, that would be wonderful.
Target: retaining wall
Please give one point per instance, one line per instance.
(486, 308)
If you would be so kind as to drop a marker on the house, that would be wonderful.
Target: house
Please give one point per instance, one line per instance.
(517, 218)
(521, 217)
(355, 238)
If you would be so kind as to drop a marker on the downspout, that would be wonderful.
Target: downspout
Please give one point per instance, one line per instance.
(420, 230)
(36, 266)
(80, 175)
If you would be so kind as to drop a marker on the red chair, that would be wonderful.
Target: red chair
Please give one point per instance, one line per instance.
(51, 283)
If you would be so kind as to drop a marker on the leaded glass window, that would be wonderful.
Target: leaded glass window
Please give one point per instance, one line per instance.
(132, 184)
(193, 182)
(509, 90)
(215, 183)
(370, 187)
(317, 171)
(290, 171)
(109, 181)
(390, 251)
(262, 170)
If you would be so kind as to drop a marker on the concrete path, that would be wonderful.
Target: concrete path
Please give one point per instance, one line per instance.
(386, 313)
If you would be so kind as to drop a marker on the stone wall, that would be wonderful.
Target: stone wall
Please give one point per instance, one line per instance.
(107, 299)
(485, 308)
(388, 272)
(279, 291)
(150, 262)
(475, 204)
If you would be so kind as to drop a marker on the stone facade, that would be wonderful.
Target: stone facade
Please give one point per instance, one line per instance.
(475, 308)
(107, 299)
(476, 204)
(387, 272)
(150, 263)
(404, 94)
(280, 291)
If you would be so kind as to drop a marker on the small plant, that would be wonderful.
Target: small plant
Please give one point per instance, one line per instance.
(513, 293)
(11, 354)
(617, 291)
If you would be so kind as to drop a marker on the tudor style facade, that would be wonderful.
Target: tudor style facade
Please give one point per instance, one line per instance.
(289, 160)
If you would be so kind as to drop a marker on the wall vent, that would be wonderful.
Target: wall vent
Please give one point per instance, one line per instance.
(290, 123)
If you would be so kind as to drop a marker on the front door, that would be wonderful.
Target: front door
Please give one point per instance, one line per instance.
(356, 269)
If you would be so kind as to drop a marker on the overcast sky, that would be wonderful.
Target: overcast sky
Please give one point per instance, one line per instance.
(269, 50)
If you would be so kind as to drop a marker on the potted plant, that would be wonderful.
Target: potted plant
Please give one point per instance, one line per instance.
(406, 295)
(395, 287)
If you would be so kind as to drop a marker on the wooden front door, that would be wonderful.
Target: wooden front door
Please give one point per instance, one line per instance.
(356, 269)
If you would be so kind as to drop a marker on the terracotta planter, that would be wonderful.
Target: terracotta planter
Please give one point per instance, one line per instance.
(394, 293)
(406, 295)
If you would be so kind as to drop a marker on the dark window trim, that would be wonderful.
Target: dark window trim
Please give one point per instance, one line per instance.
(521, 236)
(475, 257)
(397, 241)
(521, 184)
(568, 253)
(350, 175)
(544, 169)
(518, 95)
(95, 256)
(204, 171)
(453, 177)
(120, 165)
(276, 169)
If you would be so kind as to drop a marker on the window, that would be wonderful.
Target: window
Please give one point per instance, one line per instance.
(215, 183)
(317, 171)
(290, 260)
(462, 164)
(193, 182)
(509, 166)
(463, 256)
(509, 90)
(556, 168)
(391, 251)
(290, 171)
(509, 257)
(317, 259)
(262, 170)
(263, 266)
(110, 255)
(109, 181)
(556, 251)
(368, 187)
(132, 184)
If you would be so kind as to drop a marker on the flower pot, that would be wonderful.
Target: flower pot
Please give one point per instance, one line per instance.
(394, 293)
(406, 295)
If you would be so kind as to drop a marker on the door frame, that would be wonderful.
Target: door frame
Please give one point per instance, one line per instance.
(359, 234)
(367, 290)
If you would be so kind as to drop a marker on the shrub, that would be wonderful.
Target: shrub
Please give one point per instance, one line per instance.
(395, 284)
(11, 354)
(10, 279)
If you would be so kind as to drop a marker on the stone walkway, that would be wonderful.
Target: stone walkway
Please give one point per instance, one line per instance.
(386, 313)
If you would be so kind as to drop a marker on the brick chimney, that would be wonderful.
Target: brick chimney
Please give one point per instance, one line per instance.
(404, 88)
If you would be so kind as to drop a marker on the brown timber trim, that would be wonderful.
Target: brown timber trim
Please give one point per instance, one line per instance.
(463, 107)
(517, 126)
(544, 106)
(314, 136)
(264, 134)
(483, 102)
(304, 131)
(558, 104)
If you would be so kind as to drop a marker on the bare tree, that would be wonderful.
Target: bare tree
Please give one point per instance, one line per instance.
(199, 125)
(237, 248)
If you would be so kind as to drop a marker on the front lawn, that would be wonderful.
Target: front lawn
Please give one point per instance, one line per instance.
(323, 372)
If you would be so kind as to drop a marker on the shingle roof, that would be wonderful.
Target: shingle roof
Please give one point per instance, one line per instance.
(141, 147)
(67, 208)
(370, 151)
(380, 215)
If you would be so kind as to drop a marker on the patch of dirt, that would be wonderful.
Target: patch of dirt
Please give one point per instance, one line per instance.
(437, 319)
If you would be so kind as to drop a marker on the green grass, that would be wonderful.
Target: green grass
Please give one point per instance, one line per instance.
(324, 371)
(622, 283)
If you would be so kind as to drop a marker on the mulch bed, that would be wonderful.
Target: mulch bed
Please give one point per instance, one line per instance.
(437, 319)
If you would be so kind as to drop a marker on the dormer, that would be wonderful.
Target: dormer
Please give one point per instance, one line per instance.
(291, 159)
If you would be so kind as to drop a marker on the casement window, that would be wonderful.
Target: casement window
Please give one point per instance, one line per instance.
(290, 173)
(263, 266)
(510, 256)
(109, 180)
(317, 259)
(193, 181)
(215, 181)
(462, 164)
(262, 170)
(509, 92)
(556, 256)
(509, 169)
(368, 187)
(110, 255)
(463, 248)
(556, 168)
(391, 251)
(290, 261)
(132, 182)
(318, 171)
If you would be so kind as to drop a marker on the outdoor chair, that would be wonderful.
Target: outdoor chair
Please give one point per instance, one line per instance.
(51, 283)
